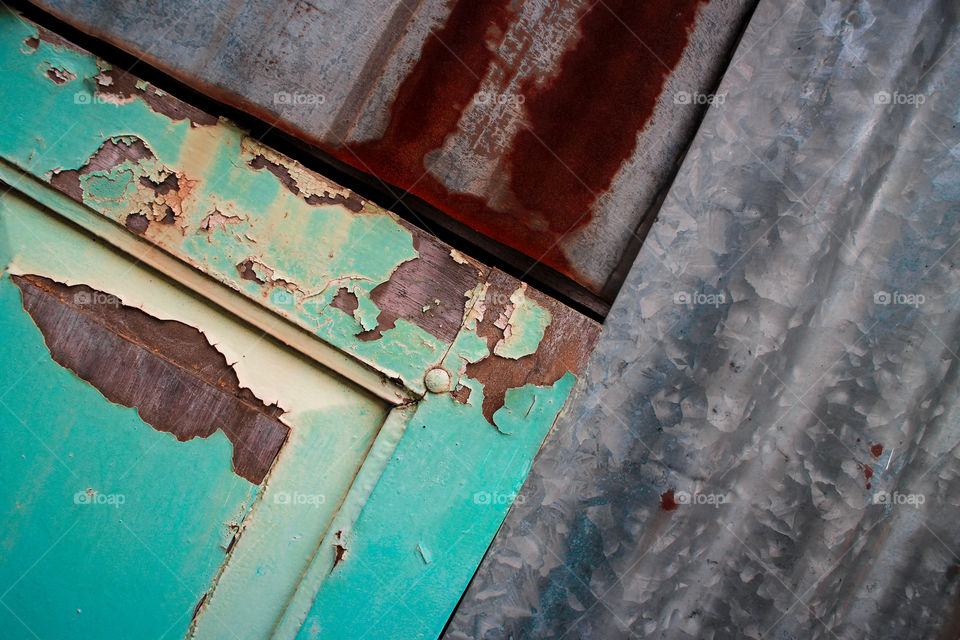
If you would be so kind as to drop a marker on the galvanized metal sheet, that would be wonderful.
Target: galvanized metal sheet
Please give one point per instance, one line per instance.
(765, 445)
(550, 127)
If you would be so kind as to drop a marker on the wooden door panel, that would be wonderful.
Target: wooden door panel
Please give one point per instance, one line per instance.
(76, 471)
(448, 374)
(118, 486)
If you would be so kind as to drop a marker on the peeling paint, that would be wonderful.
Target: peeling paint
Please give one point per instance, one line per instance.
(177, 381)
(312, 188)
(524, 327)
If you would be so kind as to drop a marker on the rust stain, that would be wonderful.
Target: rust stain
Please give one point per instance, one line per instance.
(178, 382)
(556, 355)
(667, 500)
(582, 124)
(867, 473)
(877, 450)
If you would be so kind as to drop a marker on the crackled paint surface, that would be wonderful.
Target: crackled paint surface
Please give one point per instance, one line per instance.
(351, 274)
(223, 215)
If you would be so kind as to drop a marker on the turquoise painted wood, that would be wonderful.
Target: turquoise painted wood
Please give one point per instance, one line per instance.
(110, 528)
(100, 508)
(355, 310)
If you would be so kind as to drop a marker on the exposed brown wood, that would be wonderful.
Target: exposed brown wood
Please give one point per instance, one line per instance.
(110, 154)
(566, 345)
(350, 201)
(346, 301)
(123, 86)
(429, 290)
(178, 382)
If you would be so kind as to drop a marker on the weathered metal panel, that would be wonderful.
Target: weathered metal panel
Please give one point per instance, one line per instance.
(786, 343)
(550, 127)
(200, 201)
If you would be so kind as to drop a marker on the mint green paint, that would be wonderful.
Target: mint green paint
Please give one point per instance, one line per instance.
(134, 565)
(452, 478)
(531, 404)
(315, 469)
(306, 487)
(62, 141)
(525, 327)
(309, 247)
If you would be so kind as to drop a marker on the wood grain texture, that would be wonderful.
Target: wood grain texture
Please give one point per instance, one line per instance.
(178, 382)
(565, 347)
(429, 290)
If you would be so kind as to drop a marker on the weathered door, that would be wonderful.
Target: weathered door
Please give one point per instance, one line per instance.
(237, 400)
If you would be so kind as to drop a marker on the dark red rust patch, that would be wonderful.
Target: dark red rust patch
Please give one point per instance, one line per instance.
(877, 450)
(427, 290)
(351, 202)
(567, 343)
(667, 501)
(346, 301)
(583, 122)
(178, 382)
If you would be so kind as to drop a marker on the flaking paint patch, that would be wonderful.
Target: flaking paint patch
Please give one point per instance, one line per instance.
(312, 243)
(523, 327)
(314, 189)
(177, 380)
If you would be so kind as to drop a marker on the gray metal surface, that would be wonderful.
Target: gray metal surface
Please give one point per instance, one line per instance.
(549, 127)
(803, 407)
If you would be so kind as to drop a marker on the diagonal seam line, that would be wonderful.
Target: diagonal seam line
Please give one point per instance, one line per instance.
(14, 614)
